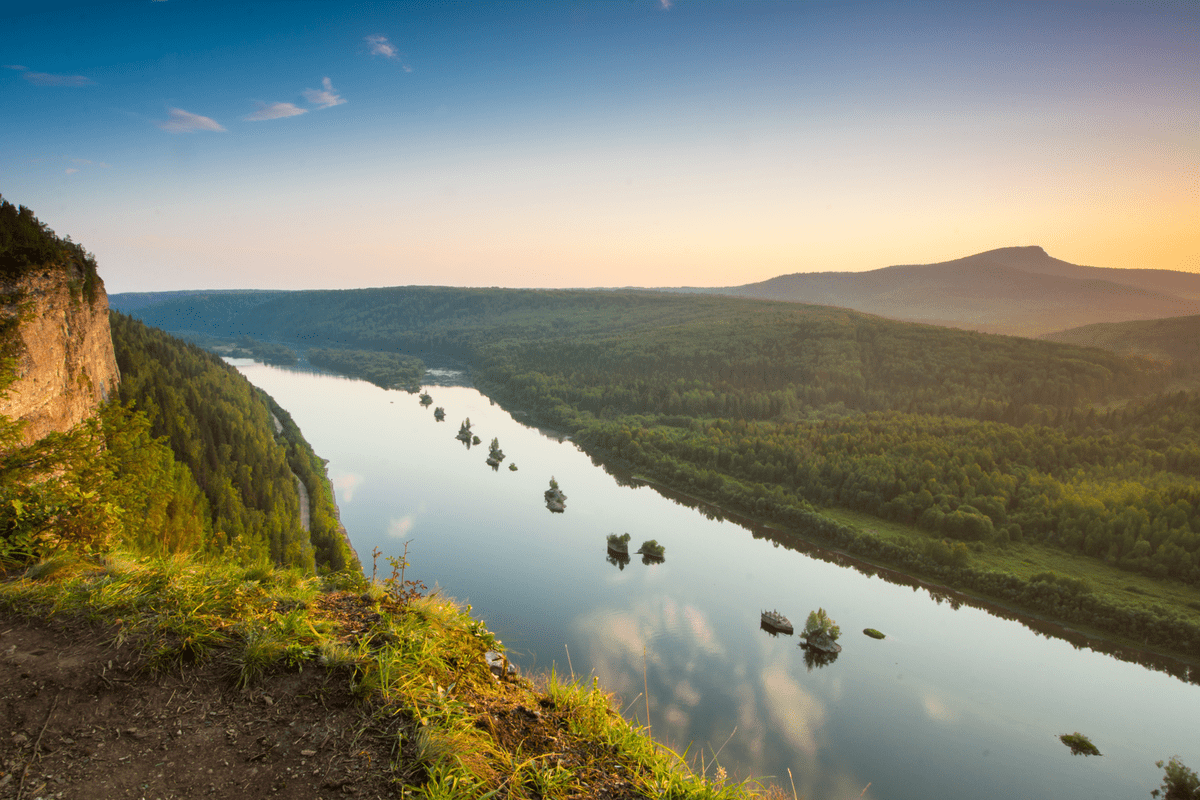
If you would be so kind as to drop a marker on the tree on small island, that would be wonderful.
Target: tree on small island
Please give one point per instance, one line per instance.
(1080, 745)
(555, 499)
(821, 631)
(651, 549)
(439, 413)
(512, 466)
(426, 399)
(619, 544)
(494, 452)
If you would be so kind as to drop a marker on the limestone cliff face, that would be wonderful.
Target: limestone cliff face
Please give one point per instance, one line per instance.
(65, 366)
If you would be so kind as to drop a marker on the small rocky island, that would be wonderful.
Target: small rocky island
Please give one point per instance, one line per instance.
(426, 399)
(821, 632)
(495, 454)
(556, 501)
(464, 431)
(439, 413)
(774, 622)
(652, 552)
(619, 545)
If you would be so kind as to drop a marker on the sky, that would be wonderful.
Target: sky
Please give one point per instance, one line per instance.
(202, 144)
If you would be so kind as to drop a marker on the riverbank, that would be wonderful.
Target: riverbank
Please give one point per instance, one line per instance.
(1126, 618)
(1064, 605)
(174, 677)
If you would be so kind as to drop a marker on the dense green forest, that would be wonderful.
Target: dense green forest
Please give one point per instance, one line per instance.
(266, 352)
(224, 430)
(1174, 341)
(776, 410)
(386, 370)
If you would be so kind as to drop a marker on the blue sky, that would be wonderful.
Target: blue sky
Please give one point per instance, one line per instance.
(208, 144)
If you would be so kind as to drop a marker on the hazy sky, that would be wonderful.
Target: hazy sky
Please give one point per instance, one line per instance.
(209, 144)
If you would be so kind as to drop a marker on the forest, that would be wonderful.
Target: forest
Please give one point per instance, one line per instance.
(778, 410)
(385, 370)
(224, 430)
(187, 458)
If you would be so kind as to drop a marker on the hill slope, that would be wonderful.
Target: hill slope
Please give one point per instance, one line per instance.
(1175, 340)
(1012, 290)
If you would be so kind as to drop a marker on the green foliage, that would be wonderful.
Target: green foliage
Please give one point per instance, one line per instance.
(27, 243)
(819, 624)
(652, 549)
(329, 540)
(266, 352)
(1080, 745)
(221, 428)
(1179, 782)
(874, 634)
(386, 370)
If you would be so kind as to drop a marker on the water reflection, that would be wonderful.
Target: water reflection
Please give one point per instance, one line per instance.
(618, 561)
(910, 716)
(939, 594)
(815, 658)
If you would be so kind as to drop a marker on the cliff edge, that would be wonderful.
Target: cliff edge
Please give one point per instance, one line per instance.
(58, 335)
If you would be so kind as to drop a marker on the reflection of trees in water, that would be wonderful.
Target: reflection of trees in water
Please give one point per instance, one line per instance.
(817, 658)
(616, 561)
(792, 540)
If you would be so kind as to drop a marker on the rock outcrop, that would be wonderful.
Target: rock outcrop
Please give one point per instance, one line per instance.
(65, 366)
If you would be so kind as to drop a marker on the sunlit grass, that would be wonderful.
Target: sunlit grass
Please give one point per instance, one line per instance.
(420, 669)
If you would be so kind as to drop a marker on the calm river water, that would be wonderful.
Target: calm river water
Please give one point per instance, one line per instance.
(952, 704)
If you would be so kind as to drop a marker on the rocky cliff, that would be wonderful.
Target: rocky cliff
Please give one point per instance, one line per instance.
(58, 335)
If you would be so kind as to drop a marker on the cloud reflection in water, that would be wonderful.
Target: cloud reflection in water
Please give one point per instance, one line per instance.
(701, 690)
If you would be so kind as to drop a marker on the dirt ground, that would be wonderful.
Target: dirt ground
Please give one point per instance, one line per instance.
(80, 720)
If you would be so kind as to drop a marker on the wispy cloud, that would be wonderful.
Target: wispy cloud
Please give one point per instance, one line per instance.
(46, 79)
(275, 111)
(82, 163)
(186, 122)
(380, 46)
(324, 98)
(666, 4)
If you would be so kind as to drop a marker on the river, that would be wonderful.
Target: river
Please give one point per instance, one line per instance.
(954, 703)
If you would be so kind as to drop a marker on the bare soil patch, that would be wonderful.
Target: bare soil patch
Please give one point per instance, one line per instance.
(82, 720)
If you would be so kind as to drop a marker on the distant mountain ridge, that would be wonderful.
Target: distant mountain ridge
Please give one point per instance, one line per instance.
(1011, 290)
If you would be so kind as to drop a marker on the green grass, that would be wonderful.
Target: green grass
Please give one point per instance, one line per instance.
(420, 669)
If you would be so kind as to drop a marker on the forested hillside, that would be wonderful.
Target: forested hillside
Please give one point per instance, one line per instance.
(976, 442)
(646, 352)
(222, 428)
(1174, 341)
